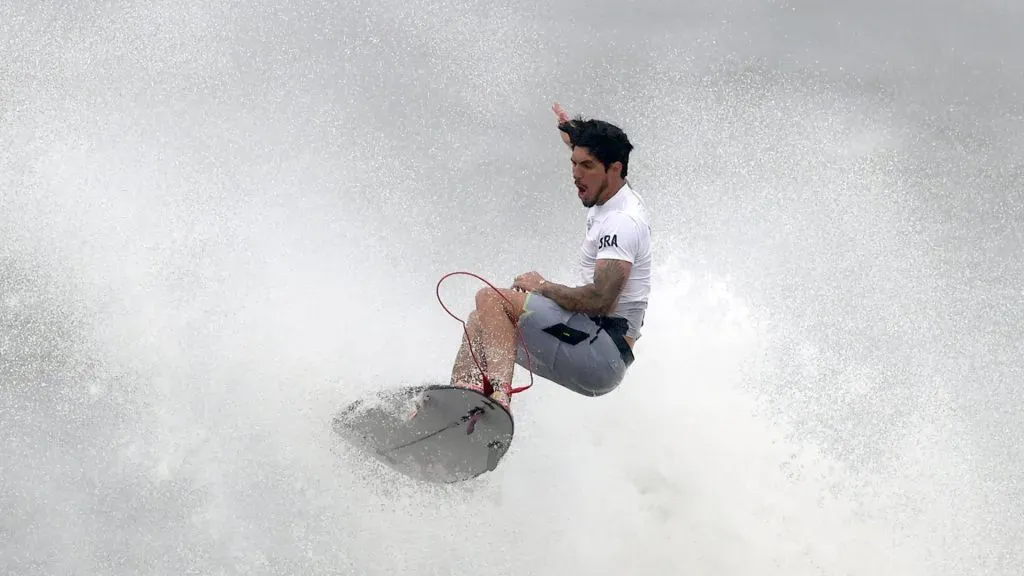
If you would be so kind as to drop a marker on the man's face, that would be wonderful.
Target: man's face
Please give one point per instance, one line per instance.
(590, 177)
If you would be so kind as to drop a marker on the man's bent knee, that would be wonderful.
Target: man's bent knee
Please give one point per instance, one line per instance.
(488, 297)
(508, 300)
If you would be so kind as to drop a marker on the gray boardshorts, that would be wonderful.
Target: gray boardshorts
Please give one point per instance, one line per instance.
(587, 355)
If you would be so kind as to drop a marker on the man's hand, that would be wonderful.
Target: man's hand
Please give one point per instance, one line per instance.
(528, 282)
(560, 113)
(562, 116)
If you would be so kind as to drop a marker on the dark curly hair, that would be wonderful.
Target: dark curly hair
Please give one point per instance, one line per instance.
(607, 142)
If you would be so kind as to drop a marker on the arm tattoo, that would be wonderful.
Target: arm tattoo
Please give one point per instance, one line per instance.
(596, 298)
(609, 278)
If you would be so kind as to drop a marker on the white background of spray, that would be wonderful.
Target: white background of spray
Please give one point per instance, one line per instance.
(220, 222)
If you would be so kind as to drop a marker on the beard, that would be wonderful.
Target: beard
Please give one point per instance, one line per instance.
(592, 201)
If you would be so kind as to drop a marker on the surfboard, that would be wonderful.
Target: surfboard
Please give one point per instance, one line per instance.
(433, 433)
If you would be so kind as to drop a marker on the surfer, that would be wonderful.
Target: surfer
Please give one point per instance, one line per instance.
(581, 336)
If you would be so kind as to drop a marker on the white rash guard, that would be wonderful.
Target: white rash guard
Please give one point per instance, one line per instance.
(618, 229)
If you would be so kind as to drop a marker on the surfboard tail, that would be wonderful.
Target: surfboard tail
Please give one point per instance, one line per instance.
(452, 434)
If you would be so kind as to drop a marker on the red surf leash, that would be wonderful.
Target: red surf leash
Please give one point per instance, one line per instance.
(469, 340)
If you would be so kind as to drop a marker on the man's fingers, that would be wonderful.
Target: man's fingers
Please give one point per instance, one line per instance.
(560, 112)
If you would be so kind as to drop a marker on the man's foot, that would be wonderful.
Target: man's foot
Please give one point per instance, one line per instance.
(476, 384)
(502, 395)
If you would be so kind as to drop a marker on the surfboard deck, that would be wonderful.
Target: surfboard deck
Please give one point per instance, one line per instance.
(433, 433)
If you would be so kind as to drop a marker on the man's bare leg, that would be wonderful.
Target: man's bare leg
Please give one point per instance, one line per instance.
(497, 314)
(492, 329)
(465, 373)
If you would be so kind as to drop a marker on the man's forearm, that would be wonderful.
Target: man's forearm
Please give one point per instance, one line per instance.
(585, 299)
